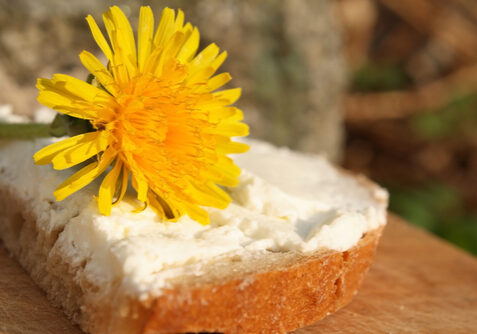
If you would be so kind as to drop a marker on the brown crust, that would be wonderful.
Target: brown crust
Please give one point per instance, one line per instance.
(289, 292)
(275, 301)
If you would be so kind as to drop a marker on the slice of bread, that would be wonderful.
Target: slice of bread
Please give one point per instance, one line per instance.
(270, 290)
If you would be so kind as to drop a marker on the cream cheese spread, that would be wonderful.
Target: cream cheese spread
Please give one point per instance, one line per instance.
(285, 201)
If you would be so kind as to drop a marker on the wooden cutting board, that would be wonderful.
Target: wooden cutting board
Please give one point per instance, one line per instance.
(417, 284)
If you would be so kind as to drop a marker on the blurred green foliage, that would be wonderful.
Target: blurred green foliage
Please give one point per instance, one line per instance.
(439, 209)
(457, 117)
(376, 78)
(434, 206)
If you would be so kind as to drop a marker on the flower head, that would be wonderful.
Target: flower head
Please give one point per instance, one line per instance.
(156, 114)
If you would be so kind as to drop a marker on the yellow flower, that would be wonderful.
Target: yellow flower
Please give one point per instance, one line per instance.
(157, 116)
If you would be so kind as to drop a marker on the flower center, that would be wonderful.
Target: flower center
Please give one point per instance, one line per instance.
(159, 129)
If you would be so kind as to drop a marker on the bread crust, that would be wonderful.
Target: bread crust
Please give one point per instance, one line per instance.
(277, 301)
(294, 291)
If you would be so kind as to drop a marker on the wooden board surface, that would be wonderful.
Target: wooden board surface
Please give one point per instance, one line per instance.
(417, 284)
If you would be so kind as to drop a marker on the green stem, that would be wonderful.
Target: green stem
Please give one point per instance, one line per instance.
(24, 130)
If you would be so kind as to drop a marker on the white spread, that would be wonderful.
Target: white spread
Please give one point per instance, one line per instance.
(285, 201)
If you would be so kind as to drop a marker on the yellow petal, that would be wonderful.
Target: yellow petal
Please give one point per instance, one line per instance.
(165, 28)
(99, 38)
(208, 194)
(122, 39)
(187, 29)
(123, 28)
(226, 146)
(142, 188)
(164, 209)
(229, 96)
(46, 154)
(118, 67)
(81, 151)
(124, 185)
(219, 60)
(145, 35)
(208, 61)
(94, 66)
(72, 96)
(81, 89)
(200, 76)
(153, 60)
(207, 58)
(236, 116)
(204, 58)
(156, 205)
(139, 181)
(84, 176)
(170, 50)
(174, 45)
(224, 172)
(224, 113)
(67, 105)
(108, 189)
(190, 47)
(230, 129)
(218, 81)
(197, 213)
(179, 22)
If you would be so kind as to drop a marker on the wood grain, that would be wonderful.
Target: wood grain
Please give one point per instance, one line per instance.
(24, 308)
(417, 284)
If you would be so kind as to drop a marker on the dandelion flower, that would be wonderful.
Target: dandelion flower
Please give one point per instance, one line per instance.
(157, 117)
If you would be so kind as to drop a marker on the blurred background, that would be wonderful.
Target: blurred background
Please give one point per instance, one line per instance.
(385, 88)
